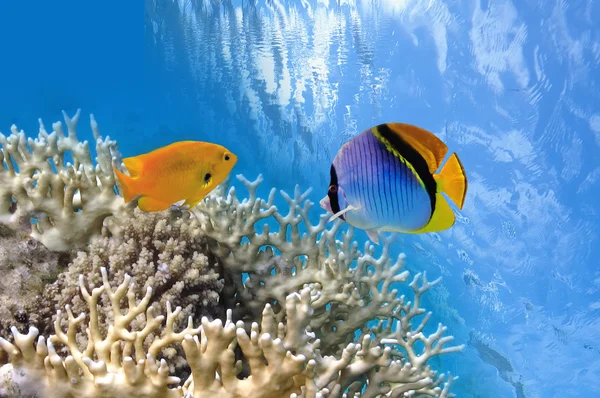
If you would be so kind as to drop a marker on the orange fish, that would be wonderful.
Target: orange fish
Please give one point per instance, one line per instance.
(180, 174)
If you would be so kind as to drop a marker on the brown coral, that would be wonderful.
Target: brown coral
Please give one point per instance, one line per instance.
(158, 251)
(26, 267)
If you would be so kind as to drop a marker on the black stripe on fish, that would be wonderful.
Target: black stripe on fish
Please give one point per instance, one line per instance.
(413, 157)
(332, 192)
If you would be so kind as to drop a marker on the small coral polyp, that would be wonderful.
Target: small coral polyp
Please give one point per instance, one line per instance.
(277, 309)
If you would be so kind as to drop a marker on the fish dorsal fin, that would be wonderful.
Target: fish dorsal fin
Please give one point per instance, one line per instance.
(134, 165)
(427, 144)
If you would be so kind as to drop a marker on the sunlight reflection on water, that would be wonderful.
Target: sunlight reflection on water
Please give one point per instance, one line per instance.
(285, 83)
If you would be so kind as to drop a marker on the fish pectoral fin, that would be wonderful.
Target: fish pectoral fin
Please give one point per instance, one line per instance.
(179, 205)
(342, 212)
(373, 235)
(134, 166)
(150, 205)
(442, 218)
(128, 185)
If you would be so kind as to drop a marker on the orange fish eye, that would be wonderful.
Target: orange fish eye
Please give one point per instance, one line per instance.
(226, 157)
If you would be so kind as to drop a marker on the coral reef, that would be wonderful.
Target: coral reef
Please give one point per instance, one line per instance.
(112, 365)
(63, 204)
(26, 267)
(276, 306)
(359, 285)
(170, 256)
(159, 252)
(284, 358)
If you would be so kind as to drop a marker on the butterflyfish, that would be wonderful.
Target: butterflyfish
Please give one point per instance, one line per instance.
(178, 175)
(384, 180)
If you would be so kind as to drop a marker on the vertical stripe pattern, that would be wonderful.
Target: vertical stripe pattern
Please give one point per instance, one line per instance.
(386, 189)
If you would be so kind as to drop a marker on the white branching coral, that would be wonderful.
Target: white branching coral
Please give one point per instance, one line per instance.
(168, 255)
(69, 202)
(109, 366)
(283, 358)
(355, 287)
(299, 296)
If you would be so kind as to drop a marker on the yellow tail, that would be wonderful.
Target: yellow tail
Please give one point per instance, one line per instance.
(452, 180)
(127, 185)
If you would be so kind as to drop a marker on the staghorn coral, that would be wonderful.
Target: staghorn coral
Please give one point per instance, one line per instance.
(356, 287)
(159, 252)
(70, 203)
(297, 296)
(284, 358)
(110, 365)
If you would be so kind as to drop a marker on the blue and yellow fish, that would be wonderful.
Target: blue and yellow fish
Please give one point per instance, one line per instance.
(384, 180)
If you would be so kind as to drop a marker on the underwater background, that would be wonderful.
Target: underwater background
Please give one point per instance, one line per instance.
(511, 86)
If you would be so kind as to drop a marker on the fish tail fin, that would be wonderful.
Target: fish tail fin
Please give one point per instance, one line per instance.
(128, 185)
(452, 180)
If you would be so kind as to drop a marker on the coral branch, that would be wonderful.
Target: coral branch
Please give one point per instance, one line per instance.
(69, 203)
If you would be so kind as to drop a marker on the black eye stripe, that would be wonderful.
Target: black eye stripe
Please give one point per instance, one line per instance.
(207, 177)
(332, 192)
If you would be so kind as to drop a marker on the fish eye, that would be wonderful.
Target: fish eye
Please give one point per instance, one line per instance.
(226, 157)
(333, 189)
(207, 177)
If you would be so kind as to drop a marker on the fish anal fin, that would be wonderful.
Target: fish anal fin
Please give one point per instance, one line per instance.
(179, 203)
(373, 235)
(150, 205)
(452, 180)
(442, 218)
(134, 165)
(427, 144)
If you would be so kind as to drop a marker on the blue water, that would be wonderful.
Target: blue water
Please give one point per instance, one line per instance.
(512, 86)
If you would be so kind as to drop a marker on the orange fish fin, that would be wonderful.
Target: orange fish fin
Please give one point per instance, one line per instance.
(193, 204)
(442, 218)
(150, 205)
(135, 166)
(128, 185)
(427, 144)
(452, 180)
